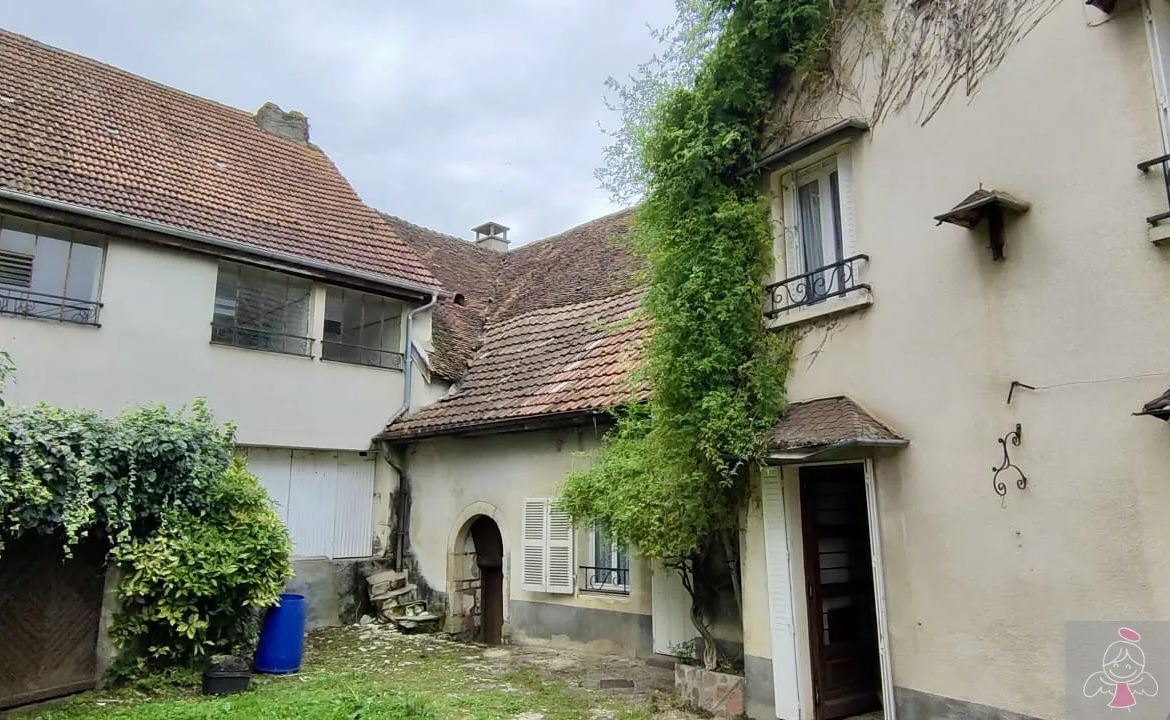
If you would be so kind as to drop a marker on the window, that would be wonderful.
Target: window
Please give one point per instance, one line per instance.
(362, 329)
(48, 271)
(261, 310)
(815, 208)
(609, 564)
(546, 548)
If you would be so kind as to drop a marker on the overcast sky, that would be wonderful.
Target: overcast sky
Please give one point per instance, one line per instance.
(445, 112)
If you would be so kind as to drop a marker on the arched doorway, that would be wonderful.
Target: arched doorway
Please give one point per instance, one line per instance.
(489, 558)
(477, 576)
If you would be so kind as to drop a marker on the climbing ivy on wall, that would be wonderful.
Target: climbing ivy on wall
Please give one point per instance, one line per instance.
(671, 475)
(193, 533)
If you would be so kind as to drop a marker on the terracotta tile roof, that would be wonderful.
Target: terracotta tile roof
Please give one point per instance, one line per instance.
(1159, 407)
(463, 268)
(78, 131)
(827, 422)
(589, 262)
(551, 361)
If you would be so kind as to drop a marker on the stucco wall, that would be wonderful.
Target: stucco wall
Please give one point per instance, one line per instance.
(452, 480)
(153, 347)
(978, 591)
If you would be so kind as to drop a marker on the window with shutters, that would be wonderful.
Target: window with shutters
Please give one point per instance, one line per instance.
(362, 329)
(262, 310)
(546, 548)
(49, 271)
(814, 205)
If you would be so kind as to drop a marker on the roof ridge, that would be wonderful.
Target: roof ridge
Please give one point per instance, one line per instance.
(122, 71)
(437, 233)
(561, 235)
(614, 299)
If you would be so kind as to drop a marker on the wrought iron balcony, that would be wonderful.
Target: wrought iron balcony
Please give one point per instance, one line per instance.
(831, 281)
(615, 581)
(337, 351)
(260, 339)
(1164, 161)
(26, 303)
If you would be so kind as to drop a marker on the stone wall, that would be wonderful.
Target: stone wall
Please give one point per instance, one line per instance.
(717, 693)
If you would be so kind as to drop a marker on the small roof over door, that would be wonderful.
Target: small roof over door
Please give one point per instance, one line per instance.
(1159, 407)
(828, 426)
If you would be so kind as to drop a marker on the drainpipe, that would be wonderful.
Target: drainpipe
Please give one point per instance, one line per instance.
(403, 519)
(408, 364)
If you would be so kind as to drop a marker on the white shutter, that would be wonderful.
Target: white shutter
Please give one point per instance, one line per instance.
(533, 545)
(312, 503)
(1158, 25)
(670, 611)
(353, 527)
(272, 466)
(792, 255)
(879, 587)
(780, 596)
(845, 189)
(560, 551)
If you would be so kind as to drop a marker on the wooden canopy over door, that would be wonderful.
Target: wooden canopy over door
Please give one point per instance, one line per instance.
(841, 603)
(50, 609)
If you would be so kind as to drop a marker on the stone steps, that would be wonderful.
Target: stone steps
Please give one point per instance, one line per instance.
(395, 598)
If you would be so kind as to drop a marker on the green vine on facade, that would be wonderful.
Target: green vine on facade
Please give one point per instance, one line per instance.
(194, 535)
(671, 475)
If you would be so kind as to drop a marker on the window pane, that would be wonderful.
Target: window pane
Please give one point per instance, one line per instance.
(334, 300)
(351, 320)
(262, 309)
(50, 266)
(85, 267)
(226, 285)
(18, 236)
(809, 201)
(602, 553)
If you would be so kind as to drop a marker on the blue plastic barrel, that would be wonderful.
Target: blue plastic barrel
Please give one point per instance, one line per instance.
(282, 636)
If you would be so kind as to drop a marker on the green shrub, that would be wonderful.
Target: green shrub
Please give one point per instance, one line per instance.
(193, 586)
(194, 534)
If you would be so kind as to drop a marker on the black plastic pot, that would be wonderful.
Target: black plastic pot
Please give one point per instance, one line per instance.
(225, 682)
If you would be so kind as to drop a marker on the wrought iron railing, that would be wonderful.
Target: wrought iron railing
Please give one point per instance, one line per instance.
(1164, 161)
(48, 307)
(260, 339)
(607, 580)
(836, 280)
(361, 355)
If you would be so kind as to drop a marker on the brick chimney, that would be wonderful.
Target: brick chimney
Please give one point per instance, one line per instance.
(491, 235)
(292, 124)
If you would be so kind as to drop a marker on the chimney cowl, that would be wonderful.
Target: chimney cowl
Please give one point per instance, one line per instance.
(491, 235)
(292, 124)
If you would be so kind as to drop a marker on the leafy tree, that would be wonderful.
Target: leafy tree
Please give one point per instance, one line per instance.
(670, 476)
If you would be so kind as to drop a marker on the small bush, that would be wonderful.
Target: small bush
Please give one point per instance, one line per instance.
(193, 586)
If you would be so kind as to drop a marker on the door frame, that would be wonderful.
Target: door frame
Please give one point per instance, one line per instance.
(789, 479)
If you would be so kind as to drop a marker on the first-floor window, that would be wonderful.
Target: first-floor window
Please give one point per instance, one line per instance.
(49, 271)
(261, 310)
(609, 563)
(362, 329)
(820, 241)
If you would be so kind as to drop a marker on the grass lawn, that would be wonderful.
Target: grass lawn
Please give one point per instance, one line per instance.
(352, 674)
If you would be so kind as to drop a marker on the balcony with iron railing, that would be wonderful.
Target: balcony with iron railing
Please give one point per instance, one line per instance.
(1159, 232)
(25, 303)
(608, 580)
(831, 288)
(256, 338)
(337, 351)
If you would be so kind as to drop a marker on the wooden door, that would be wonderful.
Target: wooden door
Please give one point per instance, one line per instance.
(839, 578)
(50, 609)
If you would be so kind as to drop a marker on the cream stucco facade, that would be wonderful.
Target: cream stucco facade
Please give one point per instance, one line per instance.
(977, 589)
(454, 481)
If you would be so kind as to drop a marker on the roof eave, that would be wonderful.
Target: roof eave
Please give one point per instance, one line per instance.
(221, 243)
(861, 446)
(839, 132)
(518, 424)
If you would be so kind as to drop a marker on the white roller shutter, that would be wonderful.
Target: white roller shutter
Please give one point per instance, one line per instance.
(560, 552)
(326, 499)
(354, 517)
(780, 596)
(533, 544)
(845, 190)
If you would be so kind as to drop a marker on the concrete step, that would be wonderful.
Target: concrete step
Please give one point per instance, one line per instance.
(380, 582)
(394, 593)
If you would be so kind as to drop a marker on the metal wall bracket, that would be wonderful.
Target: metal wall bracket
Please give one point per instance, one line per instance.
(1015, 437)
